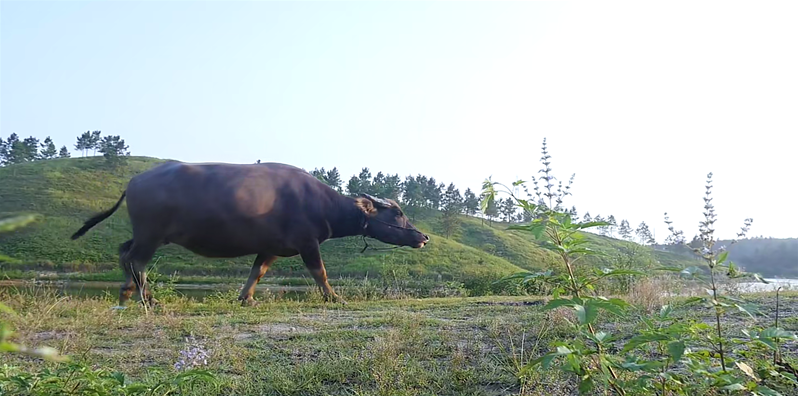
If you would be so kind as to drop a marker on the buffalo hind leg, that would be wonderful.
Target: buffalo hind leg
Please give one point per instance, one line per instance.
(133, 258)
(312, 258)
(259, 268)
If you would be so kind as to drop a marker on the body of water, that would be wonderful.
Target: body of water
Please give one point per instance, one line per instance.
(773, 285)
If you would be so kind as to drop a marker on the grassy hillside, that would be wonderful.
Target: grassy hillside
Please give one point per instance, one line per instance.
(67, 191)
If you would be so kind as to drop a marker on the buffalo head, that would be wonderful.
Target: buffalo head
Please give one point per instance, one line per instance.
(386, 222)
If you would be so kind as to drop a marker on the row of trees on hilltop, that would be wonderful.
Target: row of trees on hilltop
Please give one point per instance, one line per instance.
(420, 192)
(14, 150)
(624, 230)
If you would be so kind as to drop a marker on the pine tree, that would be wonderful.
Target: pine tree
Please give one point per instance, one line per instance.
(432, 193)
(364, 181)
(452, 207)
(625, 230)
(644, 233)
(602, 230)
(378, 185)
(320, 174)
(82, 143)
(12, 150)
(334, 179)
(114, 150)
(30, 149)
(470, 202)
(94, 142)
(412, 194)
(64, 153)
(574, 214)
(353, 187)
(48, 150)
(392, 187)
(3, 151)
(507, 208)
(613, 224)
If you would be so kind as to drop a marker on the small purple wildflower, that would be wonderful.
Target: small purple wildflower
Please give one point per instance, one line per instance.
(194, 355)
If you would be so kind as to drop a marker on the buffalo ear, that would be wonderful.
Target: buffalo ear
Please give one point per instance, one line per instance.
(365, 205)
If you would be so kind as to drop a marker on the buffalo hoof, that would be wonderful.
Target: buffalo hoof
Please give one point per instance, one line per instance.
(335, 299)
(249, 302)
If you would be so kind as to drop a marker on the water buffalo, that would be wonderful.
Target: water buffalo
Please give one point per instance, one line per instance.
(230, 210)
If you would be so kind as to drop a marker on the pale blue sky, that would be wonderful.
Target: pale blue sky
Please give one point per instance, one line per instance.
(454, 90)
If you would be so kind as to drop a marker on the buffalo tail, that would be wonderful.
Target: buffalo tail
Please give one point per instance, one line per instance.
(98, 218)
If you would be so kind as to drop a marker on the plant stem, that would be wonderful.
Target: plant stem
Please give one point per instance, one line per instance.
(777, 352)
(717, 318)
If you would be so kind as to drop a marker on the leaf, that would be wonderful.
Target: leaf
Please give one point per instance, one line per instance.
(538, 230)
(586, 385)
(765, 391)
(734, 387)
(592, 224)
(693, 300)
(775, 332)
(665, 311)
(750, 309)
(690, 271)
(518, 183)
(560, 302)
(760, 278)
(672, 269)
(601, 336)
(723, 257)
(614, 305)
(564, 350)
(676, 350)
(638, 340)
(586, 313)
(618, 272)
(747, 370)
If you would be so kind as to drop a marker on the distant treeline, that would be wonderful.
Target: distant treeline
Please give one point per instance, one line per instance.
(14, 150)
(421, 192)
(766, 256)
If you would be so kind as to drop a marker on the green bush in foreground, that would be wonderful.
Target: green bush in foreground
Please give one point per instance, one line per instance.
(666, 357)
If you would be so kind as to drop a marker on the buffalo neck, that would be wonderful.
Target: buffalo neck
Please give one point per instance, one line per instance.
(347, 219)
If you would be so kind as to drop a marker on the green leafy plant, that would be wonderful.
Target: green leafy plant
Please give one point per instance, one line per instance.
(585, 357)
(668, 355)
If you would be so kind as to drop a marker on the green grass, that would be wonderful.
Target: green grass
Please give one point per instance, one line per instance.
(68, 191)
(434, 346)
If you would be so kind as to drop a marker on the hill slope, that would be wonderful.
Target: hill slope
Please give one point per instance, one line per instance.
(67, 191)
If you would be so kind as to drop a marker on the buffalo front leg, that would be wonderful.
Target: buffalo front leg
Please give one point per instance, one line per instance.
(312, 258)
(259, 268)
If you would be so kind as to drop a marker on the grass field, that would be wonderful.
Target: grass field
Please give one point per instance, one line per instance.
(434, 346)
